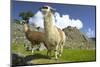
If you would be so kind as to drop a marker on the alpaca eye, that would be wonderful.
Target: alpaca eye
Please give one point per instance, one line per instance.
(45, 7)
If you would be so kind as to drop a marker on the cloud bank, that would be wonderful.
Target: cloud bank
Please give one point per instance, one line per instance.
(90, 33)
(37, 20)
(64, 21)
(60, 21)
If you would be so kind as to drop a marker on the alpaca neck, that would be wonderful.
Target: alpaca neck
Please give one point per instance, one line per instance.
(48, 22)
(26, 28)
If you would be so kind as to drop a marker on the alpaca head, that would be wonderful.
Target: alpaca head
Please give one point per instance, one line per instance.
(46, 9)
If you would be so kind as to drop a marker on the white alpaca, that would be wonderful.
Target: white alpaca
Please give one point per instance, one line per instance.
(55, 37)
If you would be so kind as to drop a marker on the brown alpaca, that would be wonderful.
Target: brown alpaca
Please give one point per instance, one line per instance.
(55, 37)
(34, 37)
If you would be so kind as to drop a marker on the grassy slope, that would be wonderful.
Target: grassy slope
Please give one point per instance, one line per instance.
(69, 55)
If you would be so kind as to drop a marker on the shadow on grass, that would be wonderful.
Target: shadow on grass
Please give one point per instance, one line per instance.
(22, 61)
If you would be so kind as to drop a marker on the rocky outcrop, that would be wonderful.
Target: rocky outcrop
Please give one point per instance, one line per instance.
(76, 39)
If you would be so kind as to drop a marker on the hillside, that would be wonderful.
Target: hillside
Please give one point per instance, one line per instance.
(78, 48)
(18, 35)
(76, 39)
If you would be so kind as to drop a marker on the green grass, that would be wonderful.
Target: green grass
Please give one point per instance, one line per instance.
(73, 55)
(69, 55)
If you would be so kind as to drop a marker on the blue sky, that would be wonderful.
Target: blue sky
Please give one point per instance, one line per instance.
(86, 13)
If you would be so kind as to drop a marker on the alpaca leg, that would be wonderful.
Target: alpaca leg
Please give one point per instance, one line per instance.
(49, 53)
(38, 47)
(61, 49)
(56, 52)
(32, 46)
(56, 55)
(32, 50)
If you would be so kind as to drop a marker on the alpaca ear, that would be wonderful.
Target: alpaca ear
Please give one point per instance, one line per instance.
(53, 10)
(40, 8)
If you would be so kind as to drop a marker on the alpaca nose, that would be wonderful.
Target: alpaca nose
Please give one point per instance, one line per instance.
(43, 11)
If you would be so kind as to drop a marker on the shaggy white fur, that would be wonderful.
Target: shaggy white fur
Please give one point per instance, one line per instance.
(55, 37)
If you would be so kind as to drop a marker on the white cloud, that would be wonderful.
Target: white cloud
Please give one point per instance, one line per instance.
(64, 21)
(61, 21)
(37, 19)
(90, 33)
